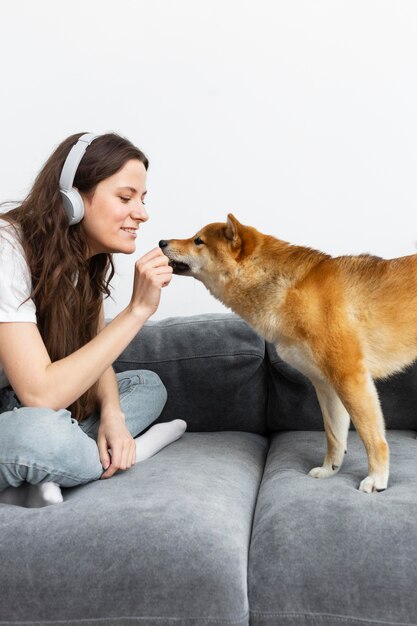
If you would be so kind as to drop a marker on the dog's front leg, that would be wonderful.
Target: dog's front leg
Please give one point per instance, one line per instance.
(336, 423)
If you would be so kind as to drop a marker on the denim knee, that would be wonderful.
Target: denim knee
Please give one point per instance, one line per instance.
(157, 387)
(142, 397)
(39, 444)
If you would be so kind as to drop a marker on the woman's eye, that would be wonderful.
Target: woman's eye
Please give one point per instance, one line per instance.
(124, 199)
(198, 241)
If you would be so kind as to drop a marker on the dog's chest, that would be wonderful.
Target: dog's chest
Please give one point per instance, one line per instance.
(296, 353)
(301, 357)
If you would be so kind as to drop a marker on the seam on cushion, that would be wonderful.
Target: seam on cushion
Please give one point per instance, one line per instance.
(330, 616)
(180, 620)
(195, 322)
(253, 515)
(163, 323)
(191, 358)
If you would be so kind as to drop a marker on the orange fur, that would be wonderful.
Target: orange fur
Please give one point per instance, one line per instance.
(341, 321)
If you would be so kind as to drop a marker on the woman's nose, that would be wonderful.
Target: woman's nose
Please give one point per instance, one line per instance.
(140, 213)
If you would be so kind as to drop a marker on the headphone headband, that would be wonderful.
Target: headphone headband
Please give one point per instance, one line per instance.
(73, 160)
(72, 200)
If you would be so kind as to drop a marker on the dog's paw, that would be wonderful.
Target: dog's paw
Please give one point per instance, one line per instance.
(371, 484)
(323, 472)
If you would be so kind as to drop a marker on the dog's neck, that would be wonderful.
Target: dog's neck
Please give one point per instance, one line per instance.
(264, 276)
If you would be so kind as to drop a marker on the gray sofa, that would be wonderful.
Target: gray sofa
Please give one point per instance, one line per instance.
(225, 526)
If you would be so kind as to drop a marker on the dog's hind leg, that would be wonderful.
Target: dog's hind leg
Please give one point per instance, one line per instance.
(336, 423)
(358, 393)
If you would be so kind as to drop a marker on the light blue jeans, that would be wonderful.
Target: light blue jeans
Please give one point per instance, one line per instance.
(40, 445)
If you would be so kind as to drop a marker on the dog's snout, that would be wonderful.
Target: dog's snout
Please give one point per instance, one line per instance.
(163, 243)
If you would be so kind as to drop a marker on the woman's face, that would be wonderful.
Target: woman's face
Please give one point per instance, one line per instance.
(115, 211)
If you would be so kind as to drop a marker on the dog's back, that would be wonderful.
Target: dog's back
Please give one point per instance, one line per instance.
(372, 297)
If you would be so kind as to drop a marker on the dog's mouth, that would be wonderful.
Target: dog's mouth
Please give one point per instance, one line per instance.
(179, 267)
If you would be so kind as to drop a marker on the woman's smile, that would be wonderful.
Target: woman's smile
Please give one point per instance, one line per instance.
(130, 231)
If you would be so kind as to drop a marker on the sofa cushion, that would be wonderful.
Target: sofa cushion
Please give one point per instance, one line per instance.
(165, 542)
(293, 403)
(205, 361)
(323, 552)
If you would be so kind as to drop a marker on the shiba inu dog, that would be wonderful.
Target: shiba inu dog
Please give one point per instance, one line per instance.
(342, 322)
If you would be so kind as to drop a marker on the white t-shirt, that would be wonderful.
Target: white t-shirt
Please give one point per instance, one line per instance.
(15, 283)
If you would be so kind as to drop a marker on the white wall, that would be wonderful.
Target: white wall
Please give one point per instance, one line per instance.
(297, 115)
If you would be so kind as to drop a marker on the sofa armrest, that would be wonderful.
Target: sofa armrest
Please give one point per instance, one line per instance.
(212, 366)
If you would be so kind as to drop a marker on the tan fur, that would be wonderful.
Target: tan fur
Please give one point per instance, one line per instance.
(341, 321)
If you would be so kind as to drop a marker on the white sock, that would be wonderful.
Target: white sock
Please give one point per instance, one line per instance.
(43, 495)
(32, 496)
(157, 437)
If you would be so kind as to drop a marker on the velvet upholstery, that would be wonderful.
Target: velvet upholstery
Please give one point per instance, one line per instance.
(324, 553)
(166, 541)
(204, 533)
(293, 403)
(206, 362)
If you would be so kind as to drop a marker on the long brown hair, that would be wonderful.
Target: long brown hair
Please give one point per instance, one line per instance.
(68, 287)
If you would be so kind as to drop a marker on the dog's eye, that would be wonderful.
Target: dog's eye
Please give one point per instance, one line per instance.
(198, 241)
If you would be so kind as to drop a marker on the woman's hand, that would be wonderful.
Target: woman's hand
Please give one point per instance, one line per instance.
(116, 446)
(152, 272)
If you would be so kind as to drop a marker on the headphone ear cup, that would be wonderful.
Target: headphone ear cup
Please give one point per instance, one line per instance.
(73, 204)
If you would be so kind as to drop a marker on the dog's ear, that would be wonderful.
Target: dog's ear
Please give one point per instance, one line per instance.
(232, 229)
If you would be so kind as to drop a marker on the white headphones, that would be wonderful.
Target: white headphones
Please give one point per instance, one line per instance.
(73, 202)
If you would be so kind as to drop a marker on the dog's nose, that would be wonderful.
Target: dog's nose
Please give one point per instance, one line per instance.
(163, 243)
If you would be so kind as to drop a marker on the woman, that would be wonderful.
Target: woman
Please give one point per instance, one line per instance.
(65, 418)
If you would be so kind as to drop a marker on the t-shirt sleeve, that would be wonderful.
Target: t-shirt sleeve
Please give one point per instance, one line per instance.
(15, 280)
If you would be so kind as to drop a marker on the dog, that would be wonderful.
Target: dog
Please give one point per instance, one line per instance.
(341, 321)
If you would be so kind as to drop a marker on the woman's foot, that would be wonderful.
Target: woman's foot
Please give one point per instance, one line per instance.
(43, 495)
(157, 437)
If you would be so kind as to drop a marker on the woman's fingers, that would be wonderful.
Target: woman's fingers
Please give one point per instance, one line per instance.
(152, 273)
(153, 255)
(122, 456)
(103, 452)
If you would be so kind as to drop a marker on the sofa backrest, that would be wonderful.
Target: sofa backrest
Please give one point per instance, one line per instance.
(213, 367)
(293, 402)
(221, 375)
